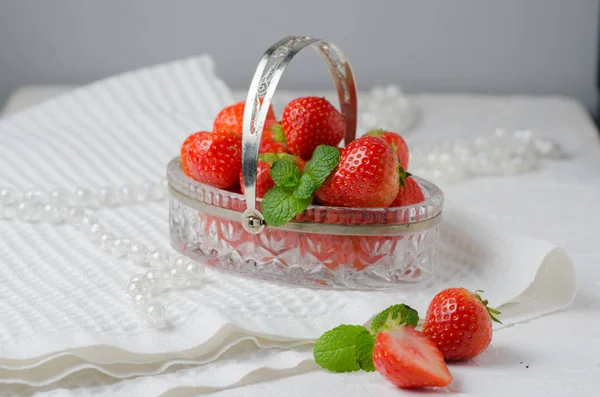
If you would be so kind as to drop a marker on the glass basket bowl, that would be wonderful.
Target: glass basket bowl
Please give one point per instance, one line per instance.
(325, 247)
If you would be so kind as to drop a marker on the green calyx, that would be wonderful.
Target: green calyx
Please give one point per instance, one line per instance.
(394, 316)
(377, 132)
(277, 132)
(492, 312)
(403, 174)
(293, 190)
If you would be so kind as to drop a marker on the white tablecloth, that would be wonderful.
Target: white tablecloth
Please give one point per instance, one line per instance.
(555, 355)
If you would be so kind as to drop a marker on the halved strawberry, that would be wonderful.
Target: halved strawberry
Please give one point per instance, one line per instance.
(407, 359)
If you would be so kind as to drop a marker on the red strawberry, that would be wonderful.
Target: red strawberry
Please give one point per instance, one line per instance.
(309, 122)
(273, 139)
(214, 158)
(264, 182)
(409, 193)
(407, 359)
(395, 141)
(459, 323)
(231, 118)
(185, 148)
(366, 176)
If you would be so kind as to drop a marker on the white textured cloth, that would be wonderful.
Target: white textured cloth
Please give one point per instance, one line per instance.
(63, 302)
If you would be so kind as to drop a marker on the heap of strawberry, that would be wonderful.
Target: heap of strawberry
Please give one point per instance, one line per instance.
(300, 162)
(457, 326)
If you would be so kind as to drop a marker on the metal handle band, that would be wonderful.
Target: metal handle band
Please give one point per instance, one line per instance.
(263, 85)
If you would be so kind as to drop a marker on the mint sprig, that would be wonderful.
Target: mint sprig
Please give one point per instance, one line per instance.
(293, 190)
(348, 348)
(280, 205)
(285, 174)
(335, 350)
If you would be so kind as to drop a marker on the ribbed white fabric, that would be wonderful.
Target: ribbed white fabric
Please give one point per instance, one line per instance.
(62, 300)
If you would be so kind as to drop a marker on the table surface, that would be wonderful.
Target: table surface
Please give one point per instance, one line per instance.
(556, 355)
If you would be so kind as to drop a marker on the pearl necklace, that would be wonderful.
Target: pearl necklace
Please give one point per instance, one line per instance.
(59, 206)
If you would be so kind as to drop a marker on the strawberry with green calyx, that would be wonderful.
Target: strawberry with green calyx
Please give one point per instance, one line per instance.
(367, 176)
(396, 142)
(459, 322)
(409, 193)
(309, 122)
(213, 158)
(264, 181)
(294, 188)
(402, 355)
(273, 139)
(231, 118)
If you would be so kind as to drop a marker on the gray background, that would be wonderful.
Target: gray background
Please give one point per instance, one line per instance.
(482, 46)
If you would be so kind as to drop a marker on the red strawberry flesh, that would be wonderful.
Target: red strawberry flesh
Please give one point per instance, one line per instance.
(407, 359)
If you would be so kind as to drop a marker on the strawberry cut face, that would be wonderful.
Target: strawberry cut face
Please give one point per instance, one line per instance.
(407, 359)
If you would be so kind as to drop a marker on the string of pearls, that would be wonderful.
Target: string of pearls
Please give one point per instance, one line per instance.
(501, 153)
(164, 271)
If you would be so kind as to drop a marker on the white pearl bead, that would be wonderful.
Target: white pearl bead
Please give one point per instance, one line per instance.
(35, 196)
(105, 241)
(159, 193)
(156, 315)
(120, 247)
(61, 197)
(8, 212)
(95, 232)
(109, 197)
(9, 196)
(177, 278)
(194, 273)
(52, 214)
(85, 198)
(89, 218)
(139, 299)
(127, 194)
(29, 212)
(145, 191)
(140, 279)
(75, 217)
(156, 279)
(138, 253)
(159, 259)
(138, 288)
(180, 263)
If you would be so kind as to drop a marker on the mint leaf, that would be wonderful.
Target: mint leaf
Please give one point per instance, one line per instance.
(277, 132)
(279, 206)
(393, 316)
(305, 188)
(324, 160)
(335, 350)
(365, 342)
(285, 174)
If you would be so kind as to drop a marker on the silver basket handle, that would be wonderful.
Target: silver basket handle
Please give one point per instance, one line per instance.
(265, 80)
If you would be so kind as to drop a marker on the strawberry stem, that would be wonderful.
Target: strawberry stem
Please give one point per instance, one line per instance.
(491, 311)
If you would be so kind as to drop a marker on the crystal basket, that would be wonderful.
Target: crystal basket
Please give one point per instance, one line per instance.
(325, 247)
